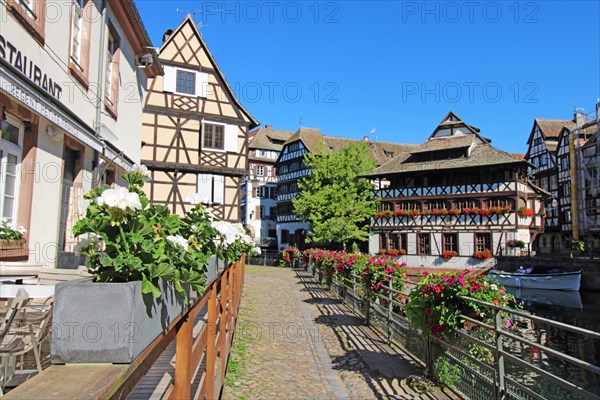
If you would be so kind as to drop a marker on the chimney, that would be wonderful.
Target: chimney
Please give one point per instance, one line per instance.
(366, 138)
(268, 126)
(579, 117)
(167, 35)
(598, 110)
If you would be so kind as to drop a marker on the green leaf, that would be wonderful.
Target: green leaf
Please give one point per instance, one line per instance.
(149, 287)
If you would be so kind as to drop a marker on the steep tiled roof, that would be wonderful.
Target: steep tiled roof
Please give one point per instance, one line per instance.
(552, 127)
(445, 143)
(316, 142)
(481, 155)
(267, 138)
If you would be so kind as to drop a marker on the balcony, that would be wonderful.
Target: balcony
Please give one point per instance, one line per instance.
(504, 221)
(438, 191)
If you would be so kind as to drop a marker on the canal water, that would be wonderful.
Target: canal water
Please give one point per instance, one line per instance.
(581, 309)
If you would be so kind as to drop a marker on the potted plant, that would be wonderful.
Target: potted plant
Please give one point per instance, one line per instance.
(11, 236)
(525, 212)
(483, 255)
(435, 305)
(145, 264)
(448, 254)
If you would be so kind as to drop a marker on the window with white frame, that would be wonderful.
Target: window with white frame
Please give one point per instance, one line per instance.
(214, 136)
(186, 82)
(260, 171)
(76, 31)
(10, 166)
(111, 64)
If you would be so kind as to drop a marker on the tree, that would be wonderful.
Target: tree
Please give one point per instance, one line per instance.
(334, 199)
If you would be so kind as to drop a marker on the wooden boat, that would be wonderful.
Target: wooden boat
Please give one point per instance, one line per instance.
(553, 281)
(547, 297)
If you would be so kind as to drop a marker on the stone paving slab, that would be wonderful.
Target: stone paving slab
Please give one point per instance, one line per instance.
(304, 344)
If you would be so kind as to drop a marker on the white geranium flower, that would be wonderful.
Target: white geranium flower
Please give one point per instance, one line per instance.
(257, 250)
(22, 230)
(494, 287)
(179, 240)
(197, 198)
(142, 171)
(92, 241)
(121, 198)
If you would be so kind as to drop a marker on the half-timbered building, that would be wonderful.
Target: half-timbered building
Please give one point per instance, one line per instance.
(259, 200)
(571, 179)
(590, 179)
(291, 168)
(194, 137)
(455, 200)
(542, 144)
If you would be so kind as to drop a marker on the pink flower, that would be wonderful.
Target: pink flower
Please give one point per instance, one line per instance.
(508, 323)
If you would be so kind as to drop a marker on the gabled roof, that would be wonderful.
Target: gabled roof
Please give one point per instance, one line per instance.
(445, 143)
(587, 131)
(481, 155)
(316, 142)
(268, 138)
(551, 127)
(451, 120)
(189, 20)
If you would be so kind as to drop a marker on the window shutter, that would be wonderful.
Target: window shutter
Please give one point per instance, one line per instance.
(231, 138)
(257, 215)
(205, 186)
(170, 79)
(201, 84)
(218, 188)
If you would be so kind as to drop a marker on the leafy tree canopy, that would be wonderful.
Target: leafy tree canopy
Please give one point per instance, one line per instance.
(334, 199)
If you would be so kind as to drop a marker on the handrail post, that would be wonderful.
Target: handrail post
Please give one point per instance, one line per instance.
(390, 308)
(210, 343)
(428, 357)
(367, 305)
(223, 324)
(183, 360)
(500, 348)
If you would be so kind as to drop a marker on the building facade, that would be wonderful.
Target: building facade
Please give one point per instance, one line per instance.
(194, 135)
(454, 201)
(291, 231)
(72, 83)
(259, 200)
(557, 166)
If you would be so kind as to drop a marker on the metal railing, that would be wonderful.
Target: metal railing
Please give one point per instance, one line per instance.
(508, 370)
(200, 359)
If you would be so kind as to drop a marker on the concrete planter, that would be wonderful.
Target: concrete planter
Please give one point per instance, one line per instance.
(108, 322)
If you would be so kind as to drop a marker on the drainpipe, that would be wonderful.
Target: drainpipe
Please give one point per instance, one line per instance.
(99, 89)
(573, 173)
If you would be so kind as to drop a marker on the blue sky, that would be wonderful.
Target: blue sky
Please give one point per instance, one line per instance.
(398, 67)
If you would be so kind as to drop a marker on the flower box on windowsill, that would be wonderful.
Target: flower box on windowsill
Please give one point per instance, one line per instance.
(10, 244)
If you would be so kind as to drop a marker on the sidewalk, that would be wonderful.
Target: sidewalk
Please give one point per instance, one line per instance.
(301, 342)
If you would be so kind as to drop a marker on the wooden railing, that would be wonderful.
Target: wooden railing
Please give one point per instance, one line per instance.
(209, 348)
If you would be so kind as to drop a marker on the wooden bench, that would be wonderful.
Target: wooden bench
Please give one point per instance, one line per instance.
(52, 276)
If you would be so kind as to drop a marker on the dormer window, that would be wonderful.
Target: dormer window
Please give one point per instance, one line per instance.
(388, 154)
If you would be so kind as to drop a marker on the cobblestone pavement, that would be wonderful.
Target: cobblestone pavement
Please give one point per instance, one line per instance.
(302, 343)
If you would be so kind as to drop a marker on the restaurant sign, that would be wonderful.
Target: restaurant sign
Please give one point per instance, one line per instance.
(19, 60)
